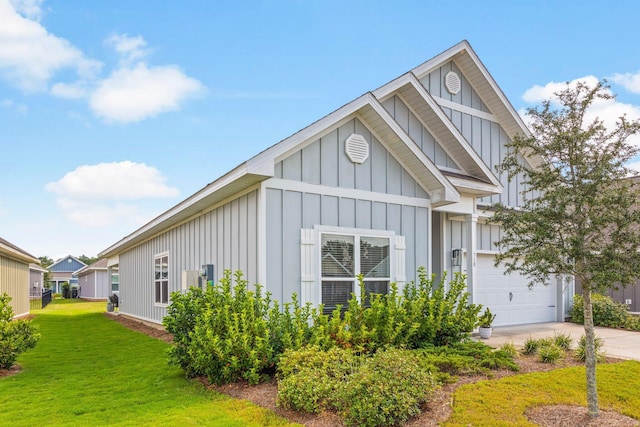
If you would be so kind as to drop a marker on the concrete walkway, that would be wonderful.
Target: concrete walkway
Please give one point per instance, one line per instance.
(617, 343)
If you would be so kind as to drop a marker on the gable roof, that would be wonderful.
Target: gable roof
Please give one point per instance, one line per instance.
(100, 264)
(486, 87)
(444, 131)
(441, 185)
(10, 250)
(63, 259)
(36, 267)
(262, 166)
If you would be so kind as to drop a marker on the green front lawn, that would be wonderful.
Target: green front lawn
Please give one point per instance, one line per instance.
(89, 370)
(504, 402)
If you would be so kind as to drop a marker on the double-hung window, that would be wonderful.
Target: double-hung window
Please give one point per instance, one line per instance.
(161, 278)
(343, 257)
(115, 282)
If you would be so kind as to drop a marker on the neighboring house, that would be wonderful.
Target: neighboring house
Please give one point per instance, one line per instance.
(63, 271)
(14, 276)
(36, 277)
(95, 282)
(394, 180)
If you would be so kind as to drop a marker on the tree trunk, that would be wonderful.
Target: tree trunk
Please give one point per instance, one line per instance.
(590, 359)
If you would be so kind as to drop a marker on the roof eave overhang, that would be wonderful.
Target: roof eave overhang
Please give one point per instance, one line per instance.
(440, 190)
(262, 167)
(12, 253)
(478, 189)
(225, 187)
(439, 124)
(474, 70)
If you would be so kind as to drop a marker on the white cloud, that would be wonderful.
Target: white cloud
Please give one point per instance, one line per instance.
(122, 180)
(134, 94)
(29, 8)
(109, 193)
(30, 55)
(630, 82)
(130, 49)
(607, 110)
(76, 90)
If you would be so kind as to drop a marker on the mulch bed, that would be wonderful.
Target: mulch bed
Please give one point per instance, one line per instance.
(436, 411)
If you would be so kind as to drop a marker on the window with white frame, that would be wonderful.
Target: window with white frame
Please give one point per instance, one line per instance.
(115, 282)
(343, 257)
(161, 279)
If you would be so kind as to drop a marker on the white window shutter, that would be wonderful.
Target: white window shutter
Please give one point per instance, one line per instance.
(308, 265)
(401, 247)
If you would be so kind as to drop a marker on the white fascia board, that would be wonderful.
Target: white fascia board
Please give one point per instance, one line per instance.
(38, 268)
(466, 206)
(411, 79)
(438, 60)
(266, 160)
(448, 192)
(10, 252)
(479, 189)
(465, 48)
(453, 129)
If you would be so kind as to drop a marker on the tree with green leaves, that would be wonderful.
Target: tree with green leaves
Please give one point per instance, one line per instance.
(87, 259)
(583, 220)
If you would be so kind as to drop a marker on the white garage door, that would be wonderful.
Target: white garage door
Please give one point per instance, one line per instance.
(509, 297)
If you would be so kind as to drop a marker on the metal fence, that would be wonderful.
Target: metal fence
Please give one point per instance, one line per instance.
(39, 298)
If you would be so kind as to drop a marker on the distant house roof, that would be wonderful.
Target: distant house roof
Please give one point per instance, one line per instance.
(100, 264)
(12, 251)
(67, 264)
(36, 267)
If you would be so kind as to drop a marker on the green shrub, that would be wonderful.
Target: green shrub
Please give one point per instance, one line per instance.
(562, 340)
(66, 290)
(443, 316)
(530, 346)
(182, 315)
(581, 350)
(550, 353)
(510, 349)
(309, 379)
(606, 312)
(388, 389)
(229, 332)
(425, 313)
(16, 336)
(383, 389)
(230, 339)
(468, 358)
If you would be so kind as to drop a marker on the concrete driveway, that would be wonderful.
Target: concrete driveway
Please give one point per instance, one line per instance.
(617, 343)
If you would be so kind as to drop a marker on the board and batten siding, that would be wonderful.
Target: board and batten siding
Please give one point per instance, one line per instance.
(14, 280)
(467, 96)
(403, 115)
(324, 162)
(290, 211)
(456, 237)
(226, 237)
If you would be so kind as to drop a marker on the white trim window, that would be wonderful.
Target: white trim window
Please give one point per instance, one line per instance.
(343, 257)
(161, 279)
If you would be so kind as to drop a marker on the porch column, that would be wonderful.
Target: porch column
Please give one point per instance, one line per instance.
(470, 222)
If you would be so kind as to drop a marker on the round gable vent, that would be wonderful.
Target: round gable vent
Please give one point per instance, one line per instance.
(452, 82)
(357, 148)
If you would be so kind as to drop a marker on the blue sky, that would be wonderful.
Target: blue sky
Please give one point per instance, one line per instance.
(113, 111)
